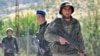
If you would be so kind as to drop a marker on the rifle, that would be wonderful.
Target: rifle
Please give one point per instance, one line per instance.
(8, 50)
(61, 32)
(66, 36)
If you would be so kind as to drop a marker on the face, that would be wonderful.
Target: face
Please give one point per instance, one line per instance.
(9, 33)
(40, 19)
(67, 11)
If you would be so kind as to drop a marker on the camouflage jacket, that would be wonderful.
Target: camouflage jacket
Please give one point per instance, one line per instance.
(10, 44)
(40, 35)
(75, 32)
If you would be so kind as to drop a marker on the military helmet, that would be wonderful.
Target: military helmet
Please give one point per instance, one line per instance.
(9, 29)
(66, 4)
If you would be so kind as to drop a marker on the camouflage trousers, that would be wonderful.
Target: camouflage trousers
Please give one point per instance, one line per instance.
(57, 54)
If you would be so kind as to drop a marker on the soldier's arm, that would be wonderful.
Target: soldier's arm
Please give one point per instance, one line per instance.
(3, 42)
(80, 38)
(49, 35)
(16, 44)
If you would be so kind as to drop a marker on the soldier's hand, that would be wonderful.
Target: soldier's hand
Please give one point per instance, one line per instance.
(42, 50)
(63, 41)
(8, 51)
(82, 54)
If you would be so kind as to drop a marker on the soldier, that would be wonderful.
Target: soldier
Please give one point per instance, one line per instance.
(59, 45)
(43, 44)
(10, 46)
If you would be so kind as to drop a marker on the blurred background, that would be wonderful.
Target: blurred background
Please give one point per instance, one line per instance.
(20, 15)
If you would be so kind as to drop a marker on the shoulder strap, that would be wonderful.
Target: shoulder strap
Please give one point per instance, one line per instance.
(58, 22)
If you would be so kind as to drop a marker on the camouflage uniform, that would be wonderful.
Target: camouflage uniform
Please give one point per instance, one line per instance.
(42, 42)
(73, 29)
(10, 45)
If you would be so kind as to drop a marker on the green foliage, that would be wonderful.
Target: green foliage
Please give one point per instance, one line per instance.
(91, 32)
(26, 23)
(91, 4)
(1, 53)
(1, 26)
(1, 23)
